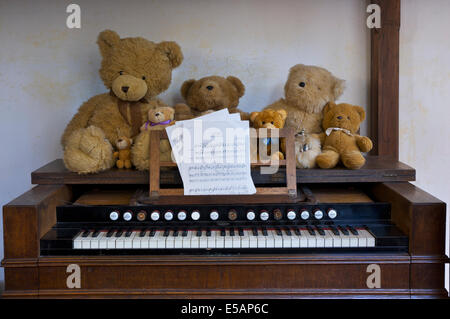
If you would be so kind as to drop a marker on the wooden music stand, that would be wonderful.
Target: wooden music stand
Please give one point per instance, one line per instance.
(287, 193)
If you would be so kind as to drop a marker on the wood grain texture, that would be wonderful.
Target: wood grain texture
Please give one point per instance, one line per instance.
(376, 169)
(384, 80)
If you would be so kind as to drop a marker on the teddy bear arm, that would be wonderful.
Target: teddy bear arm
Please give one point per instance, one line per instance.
(364, 143)
(183, 112)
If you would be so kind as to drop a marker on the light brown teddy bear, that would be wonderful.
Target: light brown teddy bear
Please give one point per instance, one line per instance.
(158, 119)
(135, 71)
(340, 141)
(209, 94)
(307, 90)
(123, 145)
(269, 119)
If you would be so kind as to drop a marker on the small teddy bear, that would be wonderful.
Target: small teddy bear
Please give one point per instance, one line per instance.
(269, 119)
(123, 153)
(210, 94)
(307, 90)
(340, 141)
(158, 119)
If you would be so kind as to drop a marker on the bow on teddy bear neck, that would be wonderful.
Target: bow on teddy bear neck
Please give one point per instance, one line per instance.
(134, 110)
(331, 129)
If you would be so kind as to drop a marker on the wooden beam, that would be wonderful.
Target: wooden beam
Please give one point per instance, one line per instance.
(384, 106)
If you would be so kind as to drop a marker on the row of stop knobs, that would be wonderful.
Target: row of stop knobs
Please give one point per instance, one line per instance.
(232, 215)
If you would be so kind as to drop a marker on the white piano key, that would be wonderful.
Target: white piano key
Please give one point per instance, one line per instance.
(345, 239)
(336, 239)
(328, 239)
(153, 240)
(160, 239)
(195, 240)
(320, 240)
(295, 240)
(220, 240)
(186, 242)
(111, 241)
(253, 240)
(370, 240)
(353, 240)
(270, 241)
(86, 241)
(128, 243)
(103, 242)
(245, 240)
(261, 239)
(145, 241)
(77, 241)
(311, 240)
(137, 241)
(95, 241)
(287, 240)
(203, 240)
(303, 240)
(179, 240)
(170, 240)
(228, 241)
(120, 241)
(278, 240)
(236, 239)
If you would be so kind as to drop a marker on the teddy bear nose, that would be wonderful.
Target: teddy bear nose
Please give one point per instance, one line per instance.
(157, 114)
(125, 88)
(210, 87)
(339, 117)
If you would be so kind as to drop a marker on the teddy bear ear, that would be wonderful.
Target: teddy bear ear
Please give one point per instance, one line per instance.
(106, 40)
(283, 114)
(173, 52)
(253, 116)
(361, 112)
(338, 88)
(171, 111)
(186, 87)
(328, 107)
(237, 84)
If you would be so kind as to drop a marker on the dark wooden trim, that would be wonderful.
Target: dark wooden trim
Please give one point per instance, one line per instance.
(376, 169)
(384, 80)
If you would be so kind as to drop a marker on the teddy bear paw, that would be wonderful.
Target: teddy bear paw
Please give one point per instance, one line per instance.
(365, 144)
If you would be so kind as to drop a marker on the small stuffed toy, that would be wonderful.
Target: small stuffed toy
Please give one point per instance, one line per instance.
(340, 141)
(269, 119)
(123, 153)
(210, 94)
(158, 119)
(306, 92)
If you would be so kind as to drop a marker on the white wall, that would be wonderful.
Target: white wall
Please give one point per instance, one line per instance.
(425, 95)
(47, 70)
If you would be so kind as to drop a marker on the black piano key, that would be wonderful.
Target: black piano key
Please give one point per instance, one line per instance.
(96, 233)
(142, 233)
(334, 230)
(288, 231)
(222, 232)
(184, 233)
(208, 233)
(352, 230)
(166, 232)
(85, 233)
(110, 233)
(152, 233)
(175, 233)
(241, 232)
(199, 233)
(128, 233)
(278, 231)
(310, 231)
(320, 230)
(231, 231)
(297, 231)
(119, 233)
(264, 231)
(343, 230)
(255, 232)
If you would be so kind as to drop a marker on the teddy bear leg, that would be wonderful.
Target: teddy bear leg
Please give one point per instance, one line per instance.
(120, 163)
(353, 159)
(127, 163)
(328, 159)
(88, 151)
(140, 151)
(307, 153)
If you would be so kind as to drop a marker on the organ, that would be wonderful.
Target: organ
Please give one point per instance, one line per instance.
(133, 234)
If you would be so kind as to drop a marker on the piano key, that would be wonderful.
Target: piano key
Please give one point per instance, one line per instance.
(231, 232)
(353, 239)
(261, 238)
(120, 241)
(184, 233)
(211, 240)
(86, 240)
(170, 240)
(345, 239)
(334, 231)
(103, 241)
(310, 239)
(253, 239)
(278, 239)
(178, 239)
(320, 230)
(166, 232)
(137, 240)
(287, 242)
(118, 233)
(236, 239)
(343, 230)
(220, 240)
(85, 233)
(278, 232)
(143, 232)
(187, 239)
(245, 239)
(128, 233)
(110, 233)
(95, 234)
(295, 239)
(95, 241)
(310, 230)
(77, 240)
(297, 231)
(128, 243)
(254, 232)
(370, 238)
(264, 231)
(203, 240)
(208, 232)
(161, 239)
(240, 232)
(352, 230)
(328, 238)
(228, 241)
(337, 241)
(270, 241)
(152, 232)
(199, 233)
(145, 241)
(195, 238)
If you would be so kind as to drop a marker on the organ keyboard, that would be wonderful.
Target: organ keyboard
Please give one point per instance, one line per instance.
(286, 228)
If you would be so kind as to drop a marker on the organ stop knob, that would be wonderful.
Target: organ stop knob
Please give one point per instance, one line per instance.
(114, 215)
(232, 214)
(251, 215)
(291, 215)
(264, 215)
(277, 214)
(304, 214)
(214, 215)
(182, 215)
(168, 215)
(127, 216)
(195, 215)
(154, 215)
(318, 214)
(332, 213)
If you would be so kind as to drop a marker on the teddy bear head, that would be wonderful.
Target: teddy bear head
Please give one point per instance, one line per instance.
(268, 118)
(212, 93)
(310, 88)
(136, 68)
(343, 115)
(123, 143)
(161, 115)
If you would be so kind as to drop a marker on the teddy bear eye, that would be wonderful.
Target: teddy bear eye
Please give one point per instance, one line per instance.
(271, 123)
(302, 84)
(348, 117)
(263, 122)
(120, 72)
(143, 78)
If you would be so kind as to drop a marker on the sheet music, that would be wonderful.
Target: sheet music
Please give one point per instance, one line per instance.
(213, 154)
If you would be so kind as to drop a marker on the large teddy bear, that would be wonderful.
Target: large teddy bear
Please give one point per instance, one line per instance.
(307, 90)
(136, 71)
(209, 94)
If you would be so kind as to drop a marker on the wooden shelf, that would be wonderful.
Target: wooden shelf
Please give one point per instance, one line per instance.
(377, 169)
